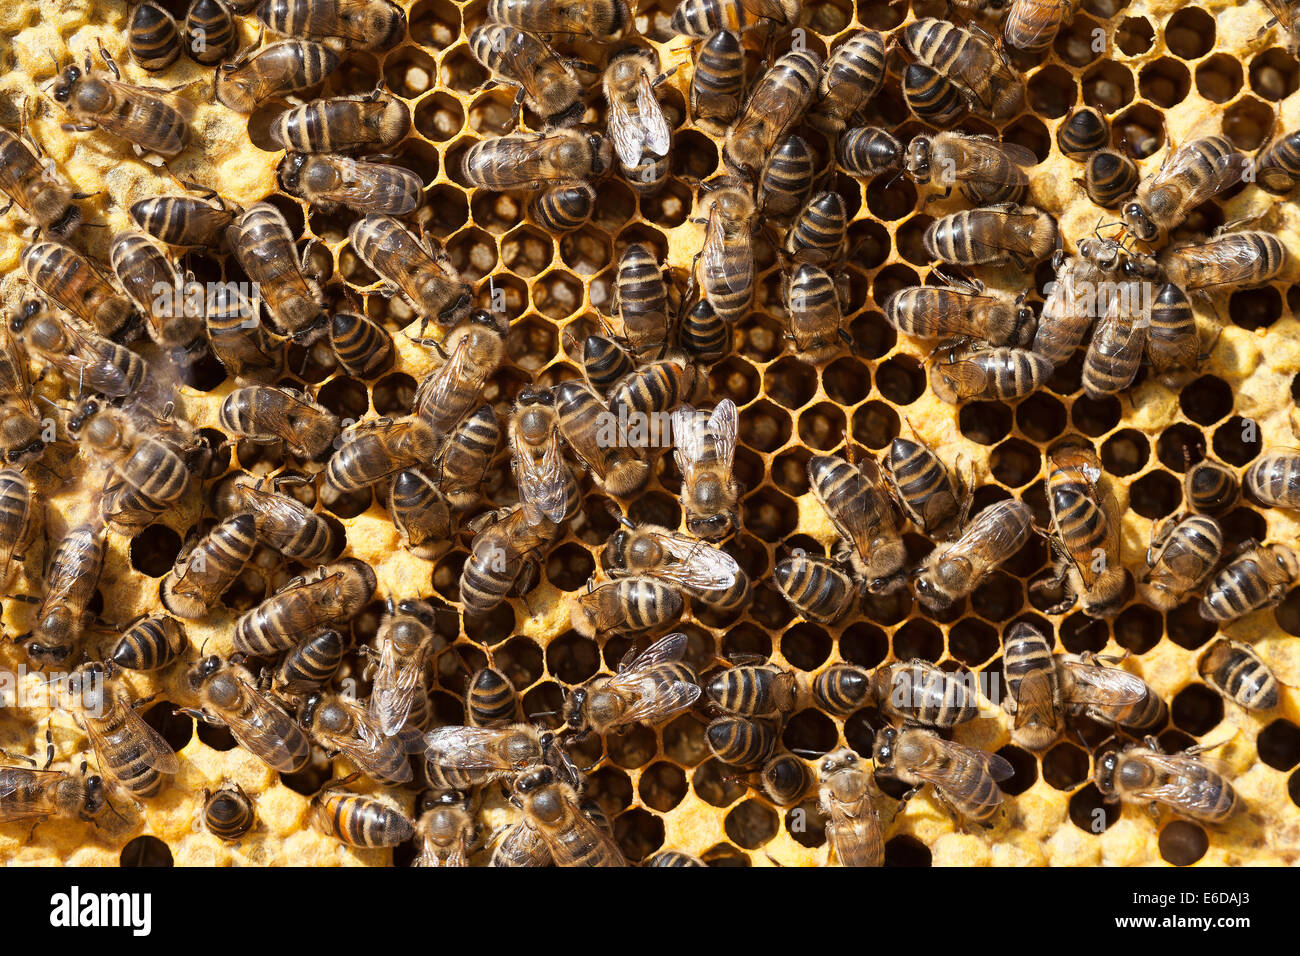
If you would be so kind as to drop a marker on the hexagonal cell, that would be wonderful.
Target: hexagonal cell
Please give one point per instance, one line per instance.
(394, 394)
(906, 851)
(461, 72)
(761, 338)
(847, 381)
(901, 380)
(1040, 417)
(439, 117)
(1141, 130)
(145, 851)
(890, 199)
(1219, 78)
(1134, 35)
(751, 824)
(1052, 91)
(409, 71)
(870, 243)
(714, 783)
(1237, 441)
(810, 732)
(527, 251)
(1274, 74)
(1065, 766)
(1075, 42)
(788, 381)
(662, 786)
(972, 641)
(520, 660)
(1138, 629)
(1242, 524)
(1090, 813)
(1179, 446)
(1080, 633)
(1166, 82)
(769, 514)
(1155, 494)
(1186, 628)
(639, 834)
(695, 156)
(557, 295)
(1189, 33)
(1278, 745)
(1206, 400)
(154, 550)
(491, 627)
(806, 646)
(435, 23)
(1182, 842)
(1029, 132)
(633, 749)
(1108, 86)
(997, 598)
(918, 640)
(821, 426)
(984, 422)
(1248, 122)
(1026, 771)
(764, 426)
(656, 508)
(1253, 309)
(586, 251)
(1015, 462)
(1125, 452)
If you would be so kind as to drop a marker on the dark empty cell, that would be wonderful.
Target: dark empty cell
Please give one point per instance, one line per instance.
(176, 729)
(1279, 745)
(1076, 42)
(204, 374)
(735, 379)
(1065, 379)
(1026, 768)
(715, 783)
(860, 730)
(521, 661)
(909, 239)
(893, 279)
(1156, 494)
(1015, 462)
(154, 550)
(906, 850)
(1052, 91)
(544, 704)
(1134, 35)
(790, 382)
(145, 851)
(1248, 122)
(1029, 132)
(751, 824)
(662, 786)
(1040, 417)
(1242, 524)
(1108, 86)
(633, 748)
(1090, 813)
(872, 335)
(1190, 33)
(1080, 633)
(1065, 766)
(1125, 452)
(347, 505)
(887, 608)
(1179, 446)
(1197, 709)
(655, 507)
(868, 244)
(694, 155)
(996, 599)
(746, 639)
(822, 426)
(639, 833)
(985, 422)
(1138, 628)
(394, 394)
(846, 381)
(806, 646)
(1175, 741)
(491, 627)
(805, 824)
(901, 380)
(572, 658)
(889, 198)
(1182, 843)
(875, 425)
(1237, 441)
(1253, 309)
(611, 788)
(863, 644)
(918, 639)
(216, 736)
(345, 397)
(810, 732)
(1206, 400)
(1274, 74)
(1140, 130)
(790, 471)
(1187, 628)
(972, 642)
(724, 854)
(769, 515)
(764, 426)
(683, 741)
(670, 206)
(1165, 82)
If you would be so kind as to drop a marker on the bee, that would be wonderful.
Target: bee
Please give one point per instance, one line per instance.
(128, 750)
(648, 689)
(446, 831)
(1084, 132)
(754, 690)
(844, 797)
(989, 173)
(970, 371)
(584, 423)
(547, 488)
(1115, 352)
(150, 119)
(931, 96)
(228, 696)
(39, 794)
(1237, 672)
(466, 457)
(341, 724)
(420, 514)
(70, 280)
(1108, 695)
(205, 570)
(333, 183)
(1186, 783)
(309, 664)
(1210, 487)
(371, 451)
(1257, 577)
(538, 160)
(1033, 688)
(548, 83)
(1109, 178)
(1069, 308)
(475, 349)
(70, 583)
(818, 231)
(375, 25)
(815, 586)
(920, 693)
(1273, 479)
(853, 75)
(484, 754)
(869, 151)
(703, 572)
(1277, 166)
(673, 858)
(1085, 524)
(728, 253)
(1032, 24)
(563, 208)
(784, 780)
(507, 553)
(778, 101)
(699, 18)
(152, 37)
(626, 606)
(816, 323)
(263, 414)
(636, 120)
(1173, 346)
(954, 570)
(789, 174)
(964, 779)
(521, 846)
(718, 82)
(492, 700)
(704, 452)
(1181, 556)
(17, 519)
(358, 820)
(210, 34)
(228, 813)
(422, 274)
(284, 523)
(604, 362)
(286, 66)
(647, 393)
(1190, 175)
(363, 348)
(924, 488)
(740, 742)
(995, 235)
(703, 334)
(859, 505)
(641, 301)
(406, 640)
(158, 291)
(598, 19)
(331, 594)
(264, 246)
(21, 434)
(1235, 261)
(36, 186)
(97, 364)
(989, 84)
(186, 220)
(341, 124)
(963, 310)
(551, 810)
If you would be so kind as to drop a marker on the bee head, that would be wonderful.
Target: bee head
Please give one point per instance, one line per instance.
(291, 170)
(68, 79)
(918, 159)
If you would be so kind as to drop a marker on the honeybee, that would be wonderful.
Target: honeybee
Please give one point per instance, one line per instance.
(648, 392)
(150, 119)
(420, 514)
(487, 753)
(965, 780)
(853, 830)
(209, 31)
(565, 208)
(70, 583)
(1210, 487)
(158, 291)
(228, 813)
(333, 183)
(70, 280)
(507, 553)
(775, 104)
(815, 586)
(1238, 260)
(547, 489)
(547, 83)
(263, 414)
(789, 174)
(1085, 523)
(228, 696)
(964, 310)
(1187, 783)
(932, 97)
(36, 185)
(1273, 479)
(152, 37)
(375, 25)
(466, 457)
(21, 437)
(27, 794)
(491, 700)
(284, 523)
(1181, 556)
(358, 820)
(264, 246)
(920, 693)
(128, 750)
(599, 19)
(1033, 687)
(96, 364)
(1107, 694)
(636, 120)
(859, 505)
(853, 75)
(1109, 178)
(1237, 672)
(626, 606)
(741, 742)
(703, 572)
(641, 301)
(205, 570)
(331, 594)
(869, 151)
(699, 18)
(363, 348)
(1190, 175)
(727, 277)
(988, 172)
(186, 220)
(1084, 131)
(1257, 577)
(421, 273)
(1277, 165)
(754, 690)
(341, 724)
(446, 831)
(703, 333)
(283, 67)
(1173, 346)
(924, 488)
(973, 65)
(342, 124)
(705, 449)
(817, 233)
(954, 570)
(816, 323)
(551, 810)
(718, 81)
(995, 235)
(18, 522)
(405, 640)
(590, 431)
(538, 160)
(785, 779)
(648, 689)
(371, 451)
(309, 663)
(1068, 310)
(604, 362)
(1115, 351)
(1032, 24)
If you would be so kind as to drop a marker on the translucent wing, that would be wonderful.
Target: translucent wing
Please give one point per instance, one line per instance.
(1189, 791)
(1104, 686)
(714, 258)
(963, 377)
(15, 371)
(999, 768)
(770, 9)
(369, 742)
(688, 439)
(151, 747)
(396, 684)
(986, 161)
(1282, 11)
(654, 127)
(697, 564)
(667, 650)
(1118, 342)
(433, 396)
(252, 727)
(75, 554)
(724, 424)
(1225, 172)
(543, 481)
(625, 129)
(666, 700)
(35, 802)
(465, 748)
(573, 847)
(1035, 701)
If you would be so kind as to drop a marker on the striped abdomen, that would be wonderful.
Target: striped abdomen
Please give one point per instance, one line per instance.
(360, 821)
(842, 688)
(742, 743)
(312, 661)
(1274, 479)
(1236, 260)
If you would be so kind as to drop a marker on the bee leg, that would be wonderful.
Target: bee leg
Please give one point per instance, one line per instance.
(517, 108)
(902, 801)
(108, 61)
(8, 756)
(9, 205)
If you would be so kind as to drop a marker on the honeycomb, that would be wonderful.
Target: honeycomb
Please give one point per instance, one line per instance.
(1167, 72)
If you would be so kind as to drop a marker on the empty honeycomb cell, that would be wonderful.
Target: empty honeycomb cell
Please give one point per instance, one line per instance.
(216, 736)
(1140, 130)
(154, 549)
(1065, 379)
(860, 729)
(887, 608)
(889, 198)
(1015, 462)
(788, 380)
(997, 598)
(669, 206)
(810, 733)
(918, 640)
(490, 627)
(1175, 741)
(875, 425)
(1274, 74)
(1065, 766)
(531, 343)
(863, 644)
(910, 239)
(746, 640)
(1156, 494)
(345, 505)
(1242, 524)
(1179, 446)
(345, 397)
(544, 704)
(900, 380)
(393, 394)
(1138, 628)
(615, 205)
(662, 786)
(715, 783)
(1278, 745)
(868, 242)
(1186, 628)
(751, 824)
(904, 850)
(747, 468)
(176, 728)
(1090, 813)
(246, 593)
(1125, 452)
(572, 658)
(1206, 400)
(1219, 78)
(805, 824)
(1166, 82)
(892, 279)
(822, 426)
(764, 426)
(725, 855)
(769, 514)
(639, 833)
(684, 742)
(1197, 709)
(1040, 417)
(1134, 35)
(656, 508)
(1052, 91)
(1026, 771)
(1182, 842)
(145, 851)
(1248, 122)
(1029, 132)
(1237, 441)
(1077, 42)
(972, 641)
(770, 609)
(1080, 633)
(847, 381)
(1288, 613)
(1253, 309)
(986, 423)
(695, 156)
(872, 335)
(440, 117)
(806, 646)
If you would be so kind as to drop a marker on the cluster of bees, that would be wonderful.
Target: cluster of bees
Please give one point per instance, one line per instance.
(276, 690)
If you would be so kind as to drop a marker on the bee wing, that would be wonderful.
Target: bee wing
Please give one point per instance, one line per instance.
(1281, 11)
(724, 424)
(666, 700)
(1106, 686)
(76, 557)
(25, 808)
(688, 439)
(1226, 171)
(252, 726)
(464, 748)
(986, 161)
(770, 9)
(669, 650)
(1188, 792)
(131, 92)
(436, 390)
(15, 371)
(697, 565)
(625, 129)
(155, 750)
(572, 847)
(654, 127)
(714, 258)
(999, 768)
(965, 377)
(1035, 701)
(543, 483)
(395, 686)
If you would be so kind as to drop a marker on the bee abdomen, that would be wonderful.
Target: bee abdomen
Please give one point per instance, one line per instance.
(932, 96)
(153, 37)
(312, 661)
(740, 742)
(150, 645)
(816, 587)
(842, 689)
(1274, 479)
(869, 151)
(563, 208)
(360, 821)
